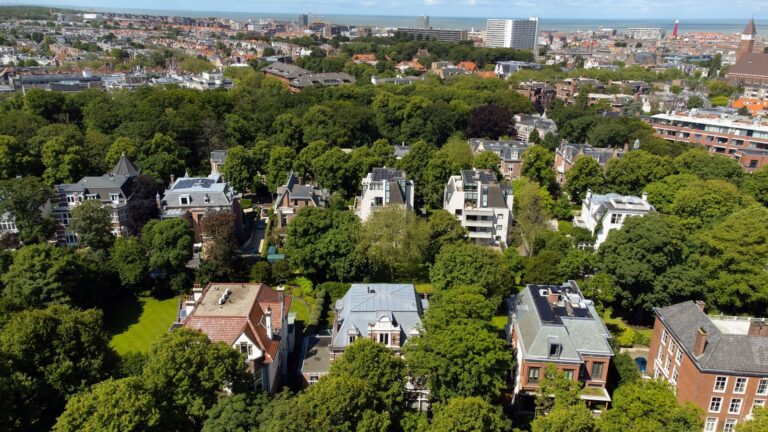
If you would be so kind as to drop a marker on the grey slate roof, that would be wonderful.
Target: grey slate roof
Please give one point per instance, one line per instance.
(285, 70)
(364, 304)
(577, 328)
(118, 181)
(199, 189)
(497, 194)
(298, 191)
(509, 151)
(571, 152)
(728, 353)
(124, 167)
(323, 79)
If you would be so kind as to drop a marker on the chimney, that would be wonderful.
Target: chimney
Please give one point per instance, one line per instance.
(701, 342)
(644, 197)
(701, 305)
(626, 147)
(173, 178)
(268, 321)
(758, 327)
(197, 292)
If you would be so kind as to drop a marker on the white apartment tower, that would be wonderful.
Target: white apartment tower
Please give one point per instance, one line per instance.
(513, 33)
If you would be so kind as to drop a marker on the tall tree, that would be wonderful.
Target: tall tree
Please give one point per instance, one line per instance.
(92, 222)
(469, 264)
(143, 205)
(129, 259)
(221, 243)
(64, 161)
(463, 359)
(168, 243)
(756, 185)
(54, 353)
(491, 121)
(703, 202)
(122, 404)
(586, 173)
(532, 213)
(647, 406)
(240, 169)
(184, 372)
(577, 418)
(24, 199)
(538, 165)
(395, 240)
(708, 166)
(41, 275)
(631, 173)
(444, 229)
(236, 413)
(759, 421)
(468, 414)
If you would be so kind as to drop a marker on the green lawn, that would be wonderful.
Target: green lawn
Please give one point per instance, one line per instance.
(136, 324)
(300, 308)
(618, 326)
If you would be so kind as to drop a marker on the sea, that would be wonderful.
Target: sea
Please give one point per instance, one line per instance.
(727, 26)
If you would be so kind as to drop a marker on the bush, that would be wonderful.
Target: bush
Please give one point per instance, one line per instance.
(317, 308)
(305, 284)
(335, 290)
(642, 339)
(627, 337)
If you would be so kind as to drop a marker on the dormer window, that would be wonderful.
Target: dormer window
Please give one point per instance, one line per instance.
(115, 198)
(246, 348)
(384, 338)
(184, 200)
(352, 338)
(555, 349)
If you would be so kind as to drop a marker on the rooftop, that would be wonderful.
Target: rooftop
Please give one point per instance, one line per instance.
(238, 303)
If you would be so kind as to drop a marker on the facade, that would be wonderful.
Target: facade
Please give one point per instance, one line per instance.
(745, 140)
(294, 196)
(191, 198)
(113, 190)
(513, 33)
(602, 213)
(439, 35)
(567, 89)
(567, 153)
(718, 363)
(526, 123)
(644, 33)
(482, 205)
(251, 318)
(510, 153)
(557, 325)
(540, 94)
(422, 22)
(381, 187)
(504, 69)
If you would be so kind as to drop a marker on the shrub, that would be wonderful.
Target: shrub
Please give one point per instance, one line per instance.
(335, 290)
(305, 284)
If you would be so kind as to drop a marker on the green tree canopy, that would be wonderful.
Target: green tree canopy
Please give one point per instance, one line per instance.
(538, 164)
(586, 173)
(468, 414)
(649, 406)
(661, 193)
(630, 174)
(122, 404)
(240, 169)
(701, 203)
(41, 275)
(759, 422)
(469, 264)
(236, 413)
(708, 166)
(24, 198)
(92, 222)
(53, 353)
(756, 185)
(168, 243)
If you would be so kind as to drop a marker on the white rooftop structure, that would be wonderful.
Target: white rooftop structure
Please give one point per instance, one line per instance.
(602, 213)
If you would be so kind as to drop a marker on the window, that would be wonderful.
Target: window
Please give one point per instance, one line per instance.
(715, 404)
(533, 375)
(679, 356)
(206, 199)
(597, 371)
(720, 383)
(258, 381)
(384, 338)
(115, 198)
(184, 200)
(352, 338)
(664, 336)
(459, 212)
(740, 386)
(71, 199)
(554, 349)
(246, 348)
(753, 163)
(66, 219)
(378, 201)
(499, 227)
(313, 378)
(666, 365)
(615, 218)
(757, 404)
(710, 425)
(762, 387)
(735, 406)
(729, 425)
(568, 374)
(500, 217)
(675, 375)
(70, 238)
(660, 354)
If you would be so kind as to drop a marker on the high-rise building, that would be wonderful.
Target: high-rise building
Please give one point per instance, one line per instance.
(422, 22)
(303, 20)
(512, 33)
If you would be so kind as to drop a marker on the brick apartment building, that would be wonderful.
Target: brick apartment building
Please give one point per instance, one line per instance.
(556, 324)
(718, 363)
(745, 140)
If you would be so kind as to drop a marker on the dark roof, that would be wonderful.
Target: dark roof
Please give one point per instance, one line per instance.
(750, 28)
(751, 64)
(396, 195)
(285, 70)
(728, 353)
(124, 167)
(323, 79)
(380, 174)
(483, 176)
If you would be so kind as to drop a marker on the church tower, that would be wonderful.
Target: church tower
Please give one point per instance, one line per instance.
(747, 43)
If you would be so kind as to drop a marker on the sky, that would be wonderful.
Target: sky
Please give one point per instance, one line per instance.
(588, 9)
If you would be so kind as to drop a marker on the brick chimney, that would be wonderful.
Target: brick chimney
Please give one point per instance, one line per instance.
(758, 327)
(268, 321)
(701, 342)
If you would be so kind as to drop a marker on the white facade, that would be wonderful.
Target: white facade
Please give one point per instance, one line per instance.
(481, 204)
(512, 33)
(381, 187)
(602, 213)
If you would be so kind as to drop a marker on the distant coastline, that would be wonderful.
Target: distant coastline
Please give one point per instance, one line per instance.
(726, 26)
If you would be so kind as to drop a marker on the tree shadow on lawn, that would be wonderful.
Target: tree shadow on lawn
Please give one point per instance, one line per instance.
(125, 312)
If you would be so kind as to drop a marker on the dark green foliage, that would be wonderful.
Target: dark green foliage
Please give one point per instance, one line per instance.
(237, 413)
(335, 290)
(648, 406)
(23, 198)
(631, 173)
(490, 121)
(41, 275)
(468, 264)
(710, 167)
(468, 414)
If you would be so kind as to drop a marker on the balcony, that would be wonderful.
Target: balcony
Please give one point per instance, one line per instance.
(488, 235)
(484, 223)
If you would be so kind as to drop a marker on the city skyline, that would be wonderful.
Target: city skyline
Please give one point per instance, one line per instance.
(577, 9)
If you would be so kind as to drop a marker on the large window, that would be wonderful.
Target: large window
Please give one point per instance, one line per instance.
(533, 375)
(758, 404)
(730, 425)
(568, 373)
(710, 425)
(597, 371)
(664, 336)
(740, 386)
(720, 383)
(735, 406)
(679, 355)
(675, 375)
(715, 404)
(762, 387)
